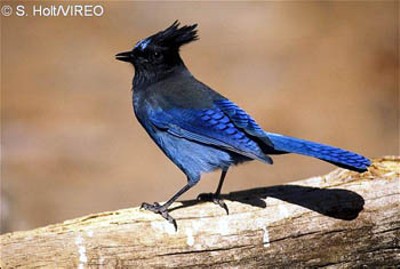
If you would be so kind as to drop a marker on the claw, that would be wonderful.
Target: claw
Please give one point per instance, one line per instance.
(159, 209)
(222, 204)
(211, 197)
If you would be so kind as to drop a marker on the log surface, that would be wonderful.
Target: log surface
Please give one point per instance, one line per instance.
(340, 220)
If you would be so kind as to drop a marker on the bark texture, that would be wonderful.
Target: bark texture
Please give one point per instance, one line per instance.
(340, 220)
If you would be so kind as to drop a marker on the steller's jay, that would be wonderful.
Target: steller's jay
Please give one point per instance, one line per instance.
(199, 129)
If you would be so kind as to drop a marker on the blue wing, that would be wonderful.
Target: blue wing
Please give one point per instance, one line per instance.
(243, 120)
(223, 125)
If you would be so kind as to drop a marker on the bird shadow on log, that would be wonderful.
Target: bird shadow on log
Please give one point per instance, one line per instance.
(335, 203)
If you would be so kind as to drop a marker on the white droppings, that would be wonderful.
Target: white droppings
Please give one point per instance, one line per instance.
(260, 224)
(82, 254)
(283, 211)
(266, 242)
(163, 226)
(189, 237)
(78, 240)
(82, 251)
(90, 233)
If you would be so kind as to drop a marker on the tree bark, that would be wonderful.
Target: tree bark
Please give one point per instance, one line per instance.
(340, 220)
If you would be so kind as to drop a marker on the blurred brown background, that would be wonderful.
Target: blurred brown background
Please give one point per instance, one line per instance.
(325, 71)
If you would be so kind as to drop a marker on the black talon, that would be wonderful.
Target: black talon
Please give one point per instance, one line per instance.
(222, 204)
(172, 221)
(215, 197)
(161, 210)
(212, 197)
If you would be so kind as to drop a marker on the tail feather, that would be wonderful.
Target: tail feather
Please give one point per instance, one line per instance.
(336, 156)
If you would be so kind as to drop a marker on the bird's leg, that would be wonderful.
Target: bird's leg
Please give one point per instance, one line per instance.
(163, 209)
(215, 197)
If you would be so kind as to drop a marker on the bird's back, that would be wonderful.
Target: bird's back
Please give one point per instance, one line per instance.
(178, 90)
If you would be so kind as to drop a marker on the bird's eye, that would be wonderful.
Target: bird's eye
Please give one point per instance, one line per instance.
(157, 55)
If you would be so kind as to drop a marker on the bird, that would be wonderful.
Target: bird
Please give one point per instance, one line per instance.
(199, 129)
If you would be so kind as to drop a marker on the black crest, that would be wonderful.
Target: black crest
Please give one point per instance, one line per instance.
(172, 37)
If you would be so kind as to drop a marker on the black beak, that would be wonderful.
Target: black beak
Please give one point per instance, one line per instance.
(125, 56)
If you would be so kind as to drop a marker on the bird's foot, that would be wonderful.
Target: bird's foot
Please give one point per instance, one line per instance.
(162, 210)
(216, 199)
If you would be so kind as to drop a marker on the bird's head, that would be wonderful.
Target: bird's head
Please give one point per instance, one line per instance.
(160, 52)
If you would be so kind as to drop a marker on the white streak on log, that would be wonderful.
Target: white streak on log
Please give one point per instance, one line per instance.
(81, 250)
(266, 243)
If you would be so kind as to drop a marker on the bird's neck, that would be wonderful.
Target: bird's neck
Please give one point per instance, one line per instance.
(145, 77)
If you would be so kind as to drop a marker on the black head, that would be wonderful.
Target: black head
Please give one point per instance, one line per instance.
(161, 50)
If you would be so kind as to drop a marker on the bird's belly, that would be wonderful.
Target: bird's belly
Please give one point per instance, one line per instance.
(195, 158)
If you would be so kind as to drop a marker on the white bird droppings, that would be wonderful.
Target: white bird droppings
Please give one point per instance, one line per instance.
(82, 251)
(283, 211)
(266, 242)
(261, 225)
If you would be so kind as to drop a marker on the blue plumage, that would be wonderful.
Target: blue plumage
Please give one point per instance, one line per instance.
(199, 129)
(337, 156)
(208, 127)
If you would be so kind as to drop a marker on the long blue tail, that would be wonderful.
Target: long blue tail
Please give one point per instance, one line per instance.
(336, 156)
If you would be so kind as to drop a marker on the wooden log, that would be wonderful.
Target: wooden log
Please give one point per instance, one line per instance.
(340, 220)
